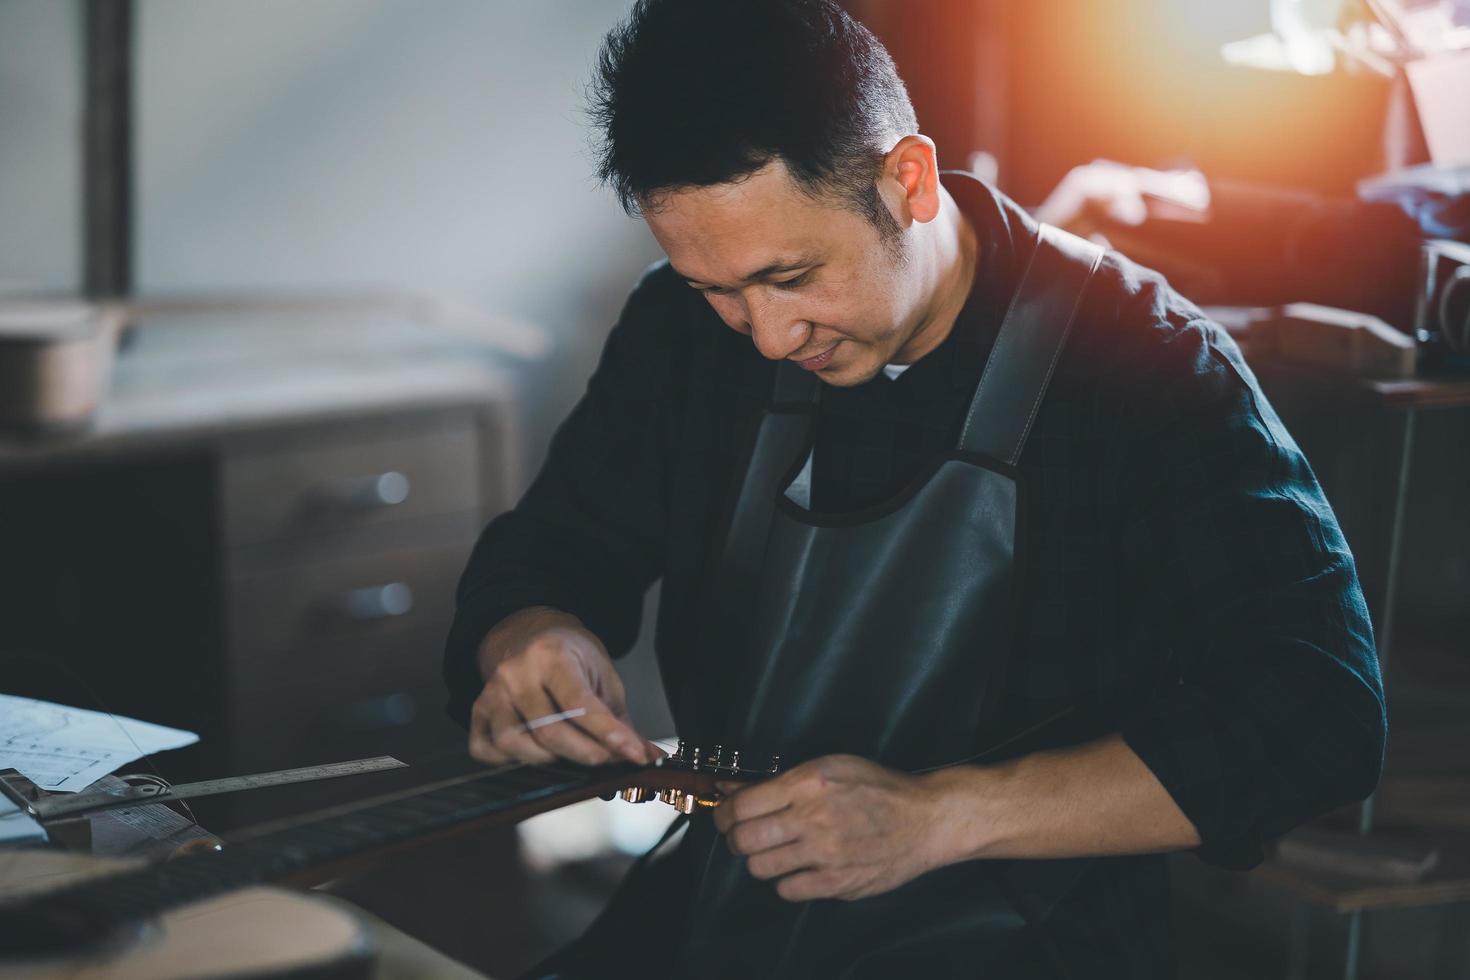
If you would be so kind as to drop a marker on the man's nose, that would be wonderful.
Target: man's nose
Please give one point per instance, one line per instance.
(776, 337)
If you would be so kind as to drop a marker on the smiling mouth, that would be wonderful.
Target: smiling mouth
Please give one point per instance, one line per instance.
(819, 361)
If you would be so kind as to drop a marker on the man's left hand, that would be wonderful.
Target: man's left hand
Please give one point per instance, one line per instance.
(835, 827)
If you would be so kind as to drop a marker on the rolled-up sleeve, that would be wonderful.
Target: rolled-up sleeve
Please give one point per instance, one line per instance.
(588, 536)
(1274, 714)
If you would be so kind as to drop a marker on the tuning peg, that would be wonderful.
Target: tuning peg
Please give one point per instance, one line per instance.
(637, 794)
(694, 762)
(775, 765)
(735, 761)
(716, 756)
(679, 753)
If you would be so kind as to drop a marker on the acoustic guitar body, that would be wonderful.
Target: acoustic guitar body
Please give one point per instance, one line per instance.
(251, 933)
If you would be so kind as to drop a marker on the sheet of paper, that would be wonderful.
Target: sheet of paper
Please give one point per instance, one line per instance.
(63, 749)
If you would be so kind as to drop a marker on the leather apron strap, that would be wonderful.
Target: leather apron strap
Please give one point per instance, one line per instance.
(883, 633)
(1029, 342)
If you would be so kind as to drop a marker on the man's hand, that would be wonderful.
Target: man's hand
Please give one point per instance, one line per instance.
(538, 662)
(844, 827)
(835, 827)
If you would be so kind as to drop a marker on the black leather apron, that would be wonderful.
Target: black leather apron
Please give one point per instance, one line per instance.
(881, 634)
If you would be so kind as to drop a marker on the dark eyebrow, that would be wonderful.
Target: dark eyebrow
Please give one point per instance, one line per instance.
(764, 272)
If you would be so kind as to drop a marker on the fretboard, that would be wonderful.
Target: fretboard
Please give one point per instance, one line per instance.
(71, 918)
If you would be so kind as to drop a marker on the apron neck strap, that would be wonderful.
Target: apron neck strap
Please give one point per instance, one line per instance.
(1029, 342)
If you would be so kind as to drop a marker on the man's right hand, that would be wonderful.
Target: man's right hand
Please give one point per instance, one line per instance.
(538, 662)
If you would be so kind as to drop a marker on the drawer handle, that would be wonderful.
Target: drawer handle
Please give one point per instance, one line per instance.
(375, 602)
(377, 714)
(363, 492)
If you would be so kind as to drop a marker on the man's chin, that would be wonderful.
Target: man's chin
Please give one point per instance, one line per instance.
(848, 375)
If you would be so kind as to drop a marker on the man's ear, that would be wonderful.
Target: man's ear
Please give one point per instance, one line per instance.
(909, 183)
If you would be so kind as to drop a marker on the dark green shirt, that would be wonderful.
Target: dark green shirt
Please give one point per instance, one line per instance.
(1183, 577)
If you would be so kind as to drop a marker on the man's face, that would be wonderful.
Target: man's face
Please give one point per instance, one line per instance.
(807, 280)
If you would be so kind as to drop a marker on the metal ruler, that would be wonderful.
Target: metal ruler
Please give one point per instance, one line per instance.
(55, 807)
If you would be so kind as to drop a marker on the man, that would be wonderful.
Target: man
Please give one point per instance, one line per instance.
(917, 479)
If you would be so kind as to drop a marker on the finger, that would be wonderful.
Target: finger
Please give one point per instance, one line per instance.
(805, 886)
(482, 746)
(599, 722)
(561, 739)
(724, 815)
(759, 800)
(763, 834)
(778, 862)
(484, 714)
(729, 787)
(567, 741)
(507, 733)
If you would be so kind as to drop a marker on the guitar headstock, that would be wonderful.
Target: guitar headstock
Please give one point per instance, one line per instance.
(688, 778)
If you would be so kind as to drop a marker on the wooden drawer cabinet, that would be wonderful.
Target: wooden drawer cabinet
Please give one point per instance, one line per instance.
(341, 482)
(322, 619)
(344, 546)
(390, 702)
(260, 536)
(394, 708)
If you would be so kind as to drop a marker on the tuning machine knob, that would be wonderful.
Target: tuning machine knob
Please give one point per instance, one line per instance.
(714, 764)
(682, 801)
(637, 794)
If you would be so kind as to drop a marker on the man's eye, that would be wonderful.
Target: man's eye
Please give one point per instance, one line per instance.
(793, 282)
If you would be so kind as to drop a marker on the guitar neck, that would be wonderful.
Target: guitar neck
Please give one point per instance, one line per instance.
(304, 851)
(317, 847)
(327, 844)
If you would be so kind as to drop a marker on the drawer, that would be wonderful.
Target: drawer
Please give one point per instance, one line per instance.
(393, 708)
(397, 712)
(349, 479)
(325, 619)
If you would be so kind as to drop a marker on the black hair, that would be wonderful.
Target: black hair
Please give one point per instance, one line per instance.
(691, 93)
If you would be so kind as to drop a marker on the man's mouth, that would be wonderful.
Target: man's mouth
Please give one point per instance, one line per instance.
(818, 362)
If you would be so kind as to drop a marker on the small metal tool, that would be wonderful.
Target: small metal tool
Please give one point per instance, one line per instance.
(550, 719)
